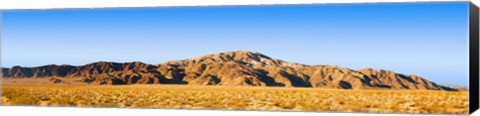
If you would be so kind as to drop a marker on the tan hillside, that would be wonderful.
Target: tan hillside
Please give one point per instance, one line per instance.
(238, 68)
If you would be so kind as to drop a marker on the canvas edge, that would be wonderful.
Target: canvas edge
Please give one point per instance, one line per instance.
(473, 58)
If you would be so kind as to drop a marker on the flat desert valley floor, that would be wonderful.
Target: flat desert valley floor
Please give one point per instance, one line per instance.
(235, 98)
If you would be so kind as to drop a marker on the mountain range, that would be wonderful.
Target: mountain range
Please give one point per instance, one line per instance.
(236, 68)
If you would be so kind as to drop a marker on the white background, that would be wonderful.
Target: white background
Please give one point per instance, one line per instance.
(75, 111)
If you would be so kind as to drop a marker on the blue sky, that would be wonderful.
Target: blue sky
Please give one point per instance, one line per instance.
(426, 39)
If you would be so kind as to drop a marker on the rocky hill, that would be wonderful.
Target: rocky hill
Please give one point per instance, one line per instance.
(238, 68)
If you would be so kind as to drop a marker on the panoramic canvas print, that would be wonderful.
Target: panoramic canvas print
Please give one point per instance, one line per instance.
(375, 58)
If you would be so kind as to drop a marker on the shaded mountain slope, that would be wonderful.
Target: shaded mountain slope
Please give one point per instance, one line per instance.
(238, 68)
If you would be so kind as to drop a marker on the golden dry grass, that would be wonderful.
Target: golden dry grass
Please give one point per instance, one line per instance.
(240, 98)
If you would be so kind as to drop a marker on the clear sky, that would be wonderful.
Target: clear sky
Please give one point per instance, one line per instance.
(425, 39)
